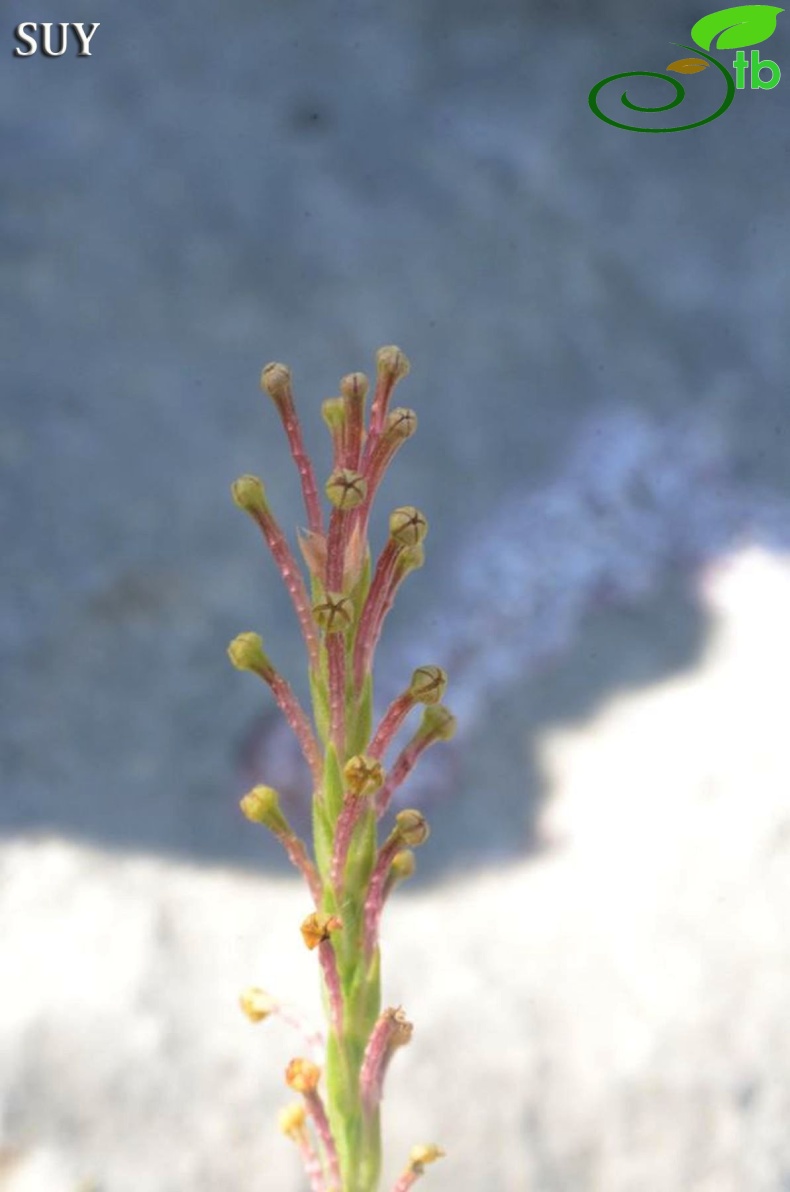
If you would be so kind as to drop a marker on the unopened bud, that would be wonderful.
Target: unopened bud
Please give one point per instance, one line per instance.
(400, 423)
(333, 412)
(355, 386)
(408, 526)
(276, 381)
(317, 928)
(428, 684)
(410, 559)
(302, 1076)
(335, 614)
(390, 361)
(256, 1003)
(246, 652)
(412, 827)
(363, 775)
(261, 805)
(423, 1154)
(346, 489)
(249, 494)
(292, 1120)
(439, 723)
(403, 865)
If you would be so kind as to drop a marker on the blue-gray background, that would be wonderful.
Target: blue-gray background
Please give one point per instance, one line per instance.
(218, 186)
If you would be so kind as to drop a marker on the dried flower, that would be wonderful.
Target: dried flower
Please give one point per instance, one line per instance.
(318, 926)
(302, 1076)
(256, 1003)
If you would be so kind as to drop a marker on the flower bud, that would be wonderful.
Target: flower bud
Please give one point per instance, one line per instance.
(249, 494)
(346, 489)
(391, 362)
(400, 423)
(412, 827)
(403, 865)
(423, 1154)
(302, 1076)
(355, 386)
(408, 526)
(256, 1003)
(428, 684)
(335, 614)
(261, 805)
(410, 559)
(292, 1120)
(333, 412)
(439, 723)
(363, 775)
(276, 381)
(317, 927)
(246, 652)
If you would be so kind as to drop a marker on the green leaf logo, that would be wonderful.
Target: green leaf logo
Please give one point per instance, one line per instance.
(745, 25)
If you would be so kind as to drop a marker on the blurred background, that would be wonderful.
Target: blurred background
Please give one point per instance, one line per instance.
(595, 950)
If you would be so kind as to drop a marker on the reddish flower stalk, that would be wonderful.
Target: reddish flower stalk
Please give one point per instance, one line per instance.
(347, 821)
(411, 829)
(315, 1107)
(298, 722)
(377, 594)
(391, 367)
(311, 1163)
(391, 721)
(302, 1076)
(276, 380)
(420, 1156)
(409, 560)
(437, 724)
(250, 495)
(297, 855)
(354, 389)
(246, 653)
(326, 955)
(391, 1031)
(400, 426)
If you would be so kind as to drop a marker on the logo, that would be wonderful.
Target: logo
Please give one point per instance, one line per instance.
(730, 29)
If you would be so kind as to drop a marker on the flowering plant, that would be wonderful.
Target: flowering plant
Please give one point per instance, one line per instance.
(350, 875)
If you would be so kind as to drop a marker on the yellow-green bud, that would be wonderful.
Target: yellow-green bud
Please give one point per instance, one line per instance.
(412, 827)
(292, 1120)
(400, 423)
(390, 361)
(439, 723)
(428, 684)
(333, 411)
(249, 494)
(355, 385)
(261, 805)
(246, 652)
(335, 614)
(276, 381)
(256, 1003)
(346, 489)
(363, 775)
(409, 559)
(423, 1154)
(403, 865)
(408, 526)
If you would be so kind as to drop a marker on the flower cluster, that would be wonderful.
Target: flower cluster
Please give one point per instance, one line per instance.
(341, 601)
